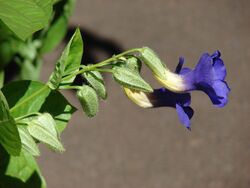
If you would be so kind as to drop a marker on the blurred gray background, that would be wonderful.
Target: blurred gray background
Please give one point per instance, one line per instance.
(128, 147)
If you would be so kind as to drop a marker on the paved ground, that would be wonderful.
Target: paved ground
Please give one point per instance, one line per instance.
(128, 147)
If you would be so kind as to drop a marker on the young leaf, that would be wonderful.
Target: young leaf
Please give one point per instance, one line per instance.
(9, 136)
(25, 97)
(43, 128)
(68, 63)
(134, 64)
(28, 143)
(95, 79)
(89, 100)
(24, 17)
(131, 79)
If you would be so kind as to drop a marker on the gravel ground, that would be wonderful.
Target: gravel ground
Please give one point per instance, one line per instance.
(128, 147)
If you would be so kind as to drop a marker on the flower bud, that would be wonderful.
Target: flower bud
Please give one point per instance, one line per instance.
(150, 58)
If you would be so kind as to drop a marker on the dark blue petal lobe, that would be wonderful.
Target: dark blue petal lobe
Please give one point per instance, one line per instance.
(165, 98)
(184, 114)
(180, 65)
(208, 76)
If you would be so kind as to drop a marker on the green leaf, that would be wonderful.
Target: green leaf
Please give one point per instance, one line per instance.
(5, 31)
(19, 171)
(68, 63)
(24, 17)
(55, 34)
(154, 63)
(16, 166)
(133, 63)
(30, 70)
(9, 45)
(131, 79)
(43, 128)
(1, 78)
(95, 79)
(88, 99)
(26, 97)
(6, 52)
(9, 136)
(28, 143)
(58, 27)
(59, 108)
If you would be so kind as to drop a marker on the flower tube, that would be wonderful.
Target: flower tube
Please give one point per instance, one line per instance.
(164, 98)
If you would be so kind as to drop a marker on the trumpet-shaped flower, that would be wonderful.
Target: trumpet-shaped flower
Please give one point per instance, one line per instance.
(164, 98)
(208, 76)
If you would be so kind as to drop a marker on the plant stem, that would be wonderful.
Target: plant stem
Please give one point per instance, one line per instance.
(69, 87)
(102, 63)
(104, 70)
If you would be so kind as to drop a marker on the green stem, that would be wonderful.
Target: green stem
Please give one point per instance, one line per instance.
(102, 63)
(70, 87)
(104, 70)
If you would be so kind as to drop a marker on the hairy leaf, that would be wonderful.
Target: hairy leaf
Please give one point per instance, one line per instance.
(134, 64)
(131, 79)
(68, 63)
(154, 63)
(24, 17)
(95, 79)
(28, 143)
(89, 100)
(43, 128)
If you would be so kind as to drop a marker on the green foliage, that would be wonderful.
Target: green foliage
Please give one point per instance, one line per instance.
(130, 79)
(68, 63)
(58, 27)
(151, 59)
(133, 63)
(30, 28)
(95, 79)
(19, 171)
(9, 136)
(29, 97)
(21, 166)
(43, 128)
(34, 15)
(88, 99)
(28, 143)
(32, 112)
(1, 78)
(25, 97)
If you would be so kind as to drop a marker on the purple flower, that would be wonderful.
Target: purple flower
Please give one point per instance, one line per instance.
(208, 76)
(164, 98)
